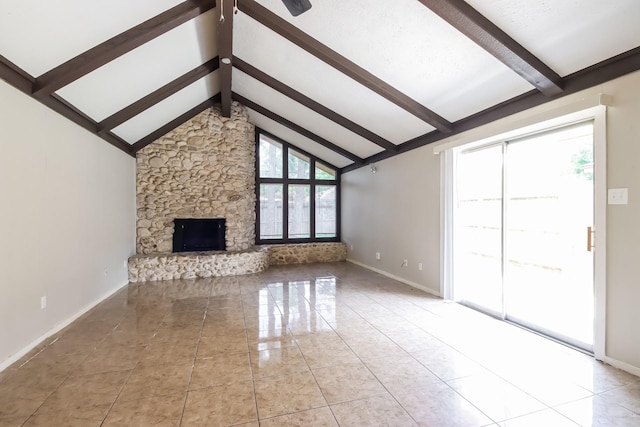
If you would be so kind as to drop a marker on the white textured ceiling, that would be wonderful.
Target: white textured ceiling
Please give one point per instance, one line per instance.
(412, 49)
(168, 109)
(38, 35)
(401, 42)
(143, 70)
(300, 70)
(567, 35)
(314, 122)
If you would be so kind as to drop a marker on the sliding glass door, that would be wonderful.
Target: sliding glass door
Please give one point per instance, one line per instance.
(549, 209)
(523, 214)
(478, 229)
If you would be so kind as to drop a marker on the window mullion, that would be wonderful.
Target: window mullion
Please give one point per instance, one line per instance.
(285, 192)
(258, 232)
(338, 206)
(312, 200)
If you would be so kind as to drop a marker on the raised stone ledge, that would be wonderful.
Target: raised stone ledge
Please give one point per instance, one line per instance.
(191, 265)
(304, 253)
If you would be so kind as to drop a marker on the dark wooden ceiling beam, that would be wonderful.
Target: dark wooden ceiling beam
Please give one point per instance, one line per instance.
(117, 46)
(153, 98)
(118, 142)
(15, 76)
(487, 35)
(22, 81)
(342, 64)
(612, 68)
(65, 109)
(163, 130)
(296, 128)
(311, 104)
(225, 51)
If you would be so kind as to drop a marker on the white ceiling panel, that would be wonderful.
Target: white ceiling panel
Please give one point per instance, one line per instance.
(39, 35)
(290, 64)
(411, 48)
(402, 42)
(567, 35)
(165, 111)
(143, 70)
(299, 114)
(298, 140)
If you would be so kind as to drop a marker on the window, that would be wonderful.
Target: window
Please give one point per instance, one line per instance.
(299, 165)
(297, 198)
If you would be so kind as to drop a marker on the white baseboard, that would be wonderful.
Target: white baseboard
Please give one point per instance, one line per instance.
(621, 365)
(57, 328)
(394, 277)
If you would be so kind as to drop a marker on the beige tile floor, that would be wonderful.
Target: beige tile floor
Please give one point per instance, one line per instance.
(315, 345)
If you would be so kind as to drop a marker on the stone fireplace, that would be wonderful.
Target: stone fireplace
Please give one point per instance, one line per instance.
(203, 169)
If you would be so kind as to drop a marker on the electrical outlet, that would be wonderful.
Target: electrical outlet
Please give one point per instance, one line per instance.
(351, 247)
(405, 263)
(106, 272)
(420, 266)
(43, 302)
(377, 255)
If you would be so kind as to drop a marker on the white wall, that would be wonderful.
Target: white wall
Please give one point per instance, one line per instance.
(67, 220)
(623, 221)
(395, 211)
(405, 191)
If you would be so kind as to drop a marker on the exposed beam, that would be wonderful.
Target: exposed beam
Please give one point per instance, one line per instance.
(225, 51)
(15, 76)
(311, 104)
(342, 64)
(163, 130)
(597, 74)
(65, 109)
(296, 128)
(22, 81)
(153, 98)
(117, 46)
(487, 35)
(118, 142)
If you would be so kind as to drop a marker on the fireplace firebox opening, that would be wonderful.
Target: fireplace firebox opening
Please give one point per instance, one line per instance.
(199, 234)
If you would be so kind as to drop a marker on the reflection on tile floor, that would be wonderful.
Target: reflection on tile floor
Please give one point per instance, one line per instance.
(321, 344)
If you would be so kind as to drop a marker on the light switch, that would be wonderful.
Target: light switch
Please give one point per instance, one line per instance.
(618, 196)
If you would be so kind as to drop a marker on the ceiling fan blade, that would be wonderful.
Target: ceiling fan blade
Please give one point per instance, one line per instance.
(296, 7)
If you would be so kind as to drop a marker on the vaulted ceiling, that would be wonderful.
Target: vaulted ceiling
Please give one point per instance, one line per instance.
(350, 82)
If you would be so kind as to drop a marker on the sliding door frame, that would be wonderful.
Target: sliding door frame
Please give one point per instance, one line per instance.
(448, 196)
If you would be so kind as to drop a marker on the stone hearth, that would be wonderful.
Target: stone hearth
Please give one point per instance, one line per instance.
(191, 265)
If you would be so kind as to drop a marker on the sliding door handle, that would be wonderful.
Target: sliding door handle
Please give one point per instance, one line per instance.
(590, 235)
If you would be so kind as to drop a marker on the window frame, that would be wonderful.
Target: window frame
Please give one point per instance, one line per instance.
(285, 181)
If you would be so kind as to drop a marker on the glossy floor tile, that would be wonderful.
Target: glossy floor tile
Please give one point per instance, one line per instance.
(320, 417)
(307, 345)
